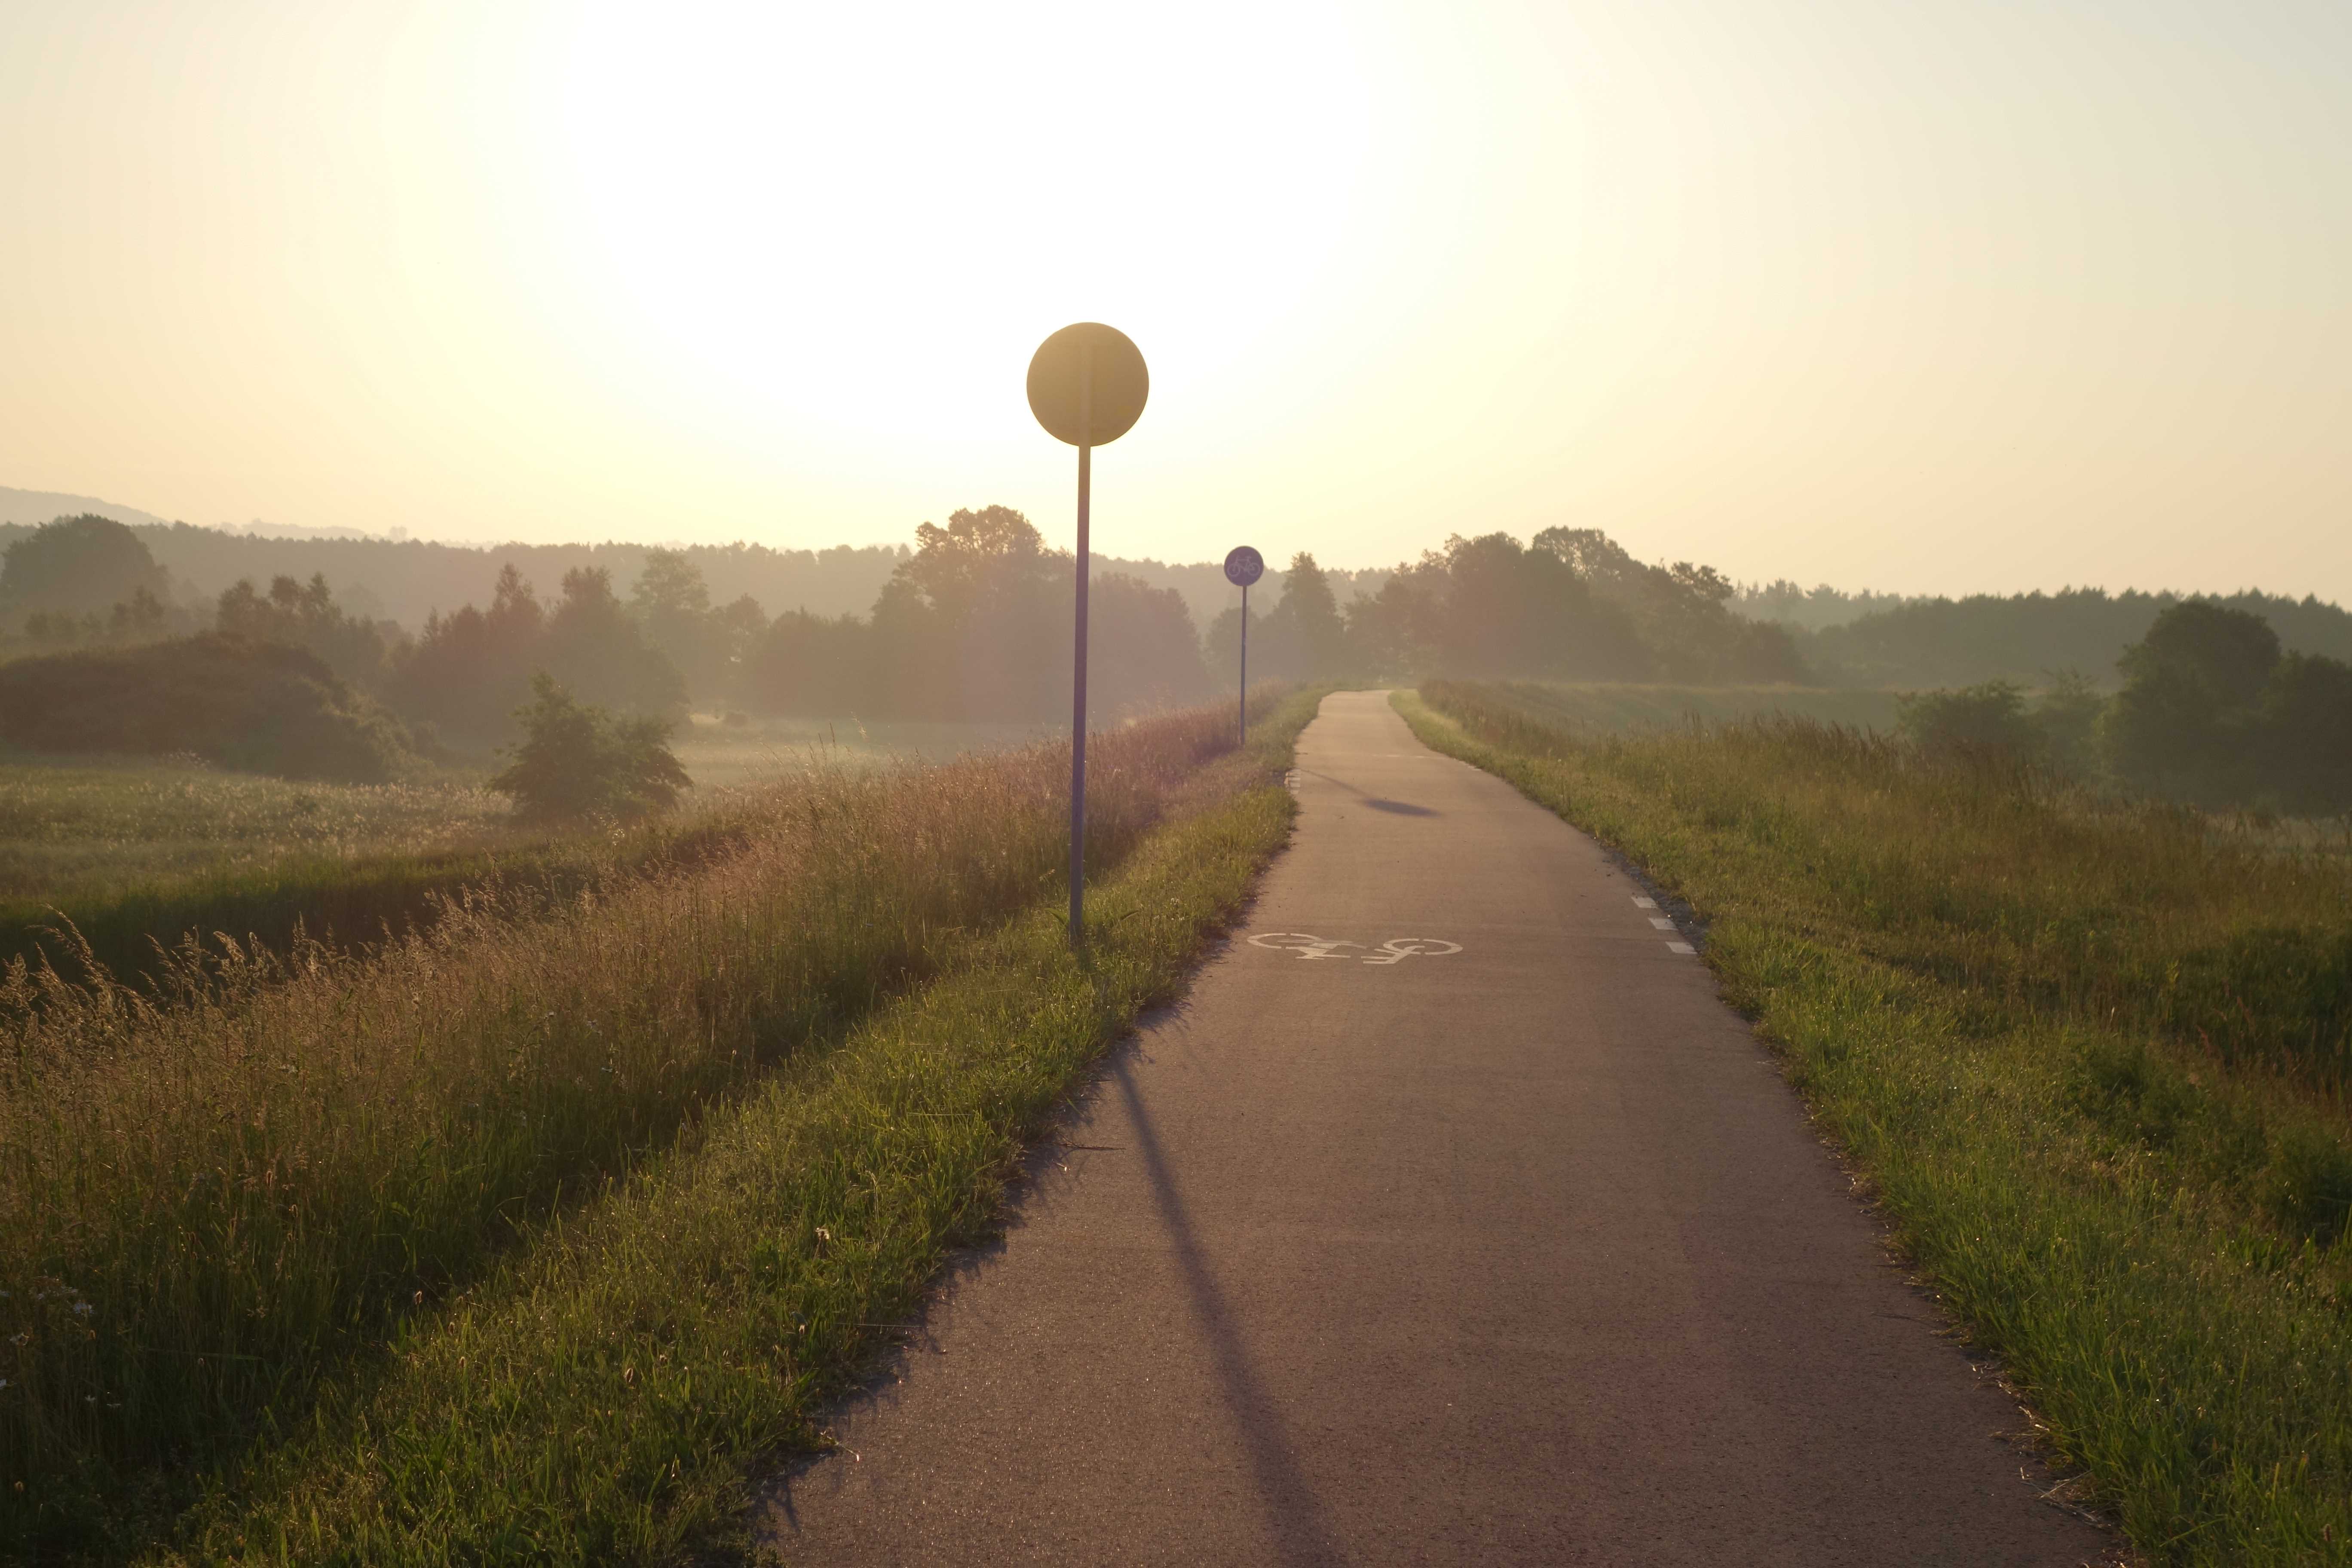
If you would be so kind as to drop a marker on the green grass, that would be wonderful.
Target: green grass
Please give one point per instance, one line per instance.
(1594, 710)
(502, 1242)
(2091, 1056)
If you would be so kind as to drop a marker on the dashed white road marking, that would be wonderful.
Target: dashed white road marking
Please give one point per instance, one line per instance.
(1643, 903)
(1681, 947)
(1661, 922)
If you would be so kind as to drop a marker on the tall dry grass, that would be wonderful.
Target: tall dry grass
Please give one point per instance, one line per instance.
(208, 1193)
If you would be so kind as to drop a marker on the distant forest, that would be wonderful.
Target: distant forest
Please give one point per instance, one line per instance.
(970, 621)
(2033, 638)
(407, 579)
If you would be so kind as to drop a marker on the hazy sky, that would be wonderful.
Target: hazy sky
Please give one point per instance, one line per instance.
(1922, 296)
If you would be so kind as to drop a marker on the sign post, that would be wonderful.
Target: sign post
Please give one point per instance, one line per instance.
(1087, 385)
(1245, 566)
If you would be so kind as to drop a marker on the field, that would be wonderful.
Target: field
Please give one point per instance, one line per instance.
(93, 827)
(721, 756)
(136, 852)
(525, 1236)
(2091, 1056)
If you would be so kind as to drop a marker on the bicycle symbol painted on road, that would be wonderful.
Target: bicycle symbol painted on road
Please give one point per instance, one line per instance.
(1396, 950)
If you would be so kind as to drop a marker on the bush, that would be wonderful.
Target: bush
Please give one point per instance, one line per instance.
(1985, 718)
(2068, 718)
(577, 760)
(254, 706)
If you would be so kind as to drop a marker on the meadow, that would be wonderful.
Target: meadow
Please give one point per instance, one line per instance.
(136, 853)
(256, 1224)
(2089, 1055)
(722, 753)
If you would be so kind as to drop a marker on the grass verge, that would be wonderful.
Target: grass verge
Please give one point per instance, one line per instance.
(216, 1195)
(601, 1396)
(2090, 1057)
(377, 1223)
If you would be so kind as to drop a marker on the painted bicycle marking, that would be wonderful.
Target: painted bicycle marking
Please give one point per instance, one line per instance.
(1396, 950)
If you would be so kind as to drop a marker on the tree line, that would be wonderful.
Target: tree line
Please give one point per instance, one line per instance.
(1572, 605)
(972, 623)
(2212, 710)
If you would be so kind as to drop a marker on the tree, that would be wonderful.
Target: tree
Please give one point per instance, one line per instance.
(470, 670)
(735, 631)
(977, 553)
(594, 648)
(971, 626)
(1490, 606)
(2306, 719)
(1141, 650)
(579, 760)
(812, 665)
(1681, 613)
(2186, 722)
(672, 603)
(77, 567)
(1305, 634)
(306, 617)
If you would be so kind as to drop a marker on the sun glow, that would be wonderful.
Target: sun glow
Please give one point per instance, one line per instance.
(1940, 296)
(848, 221)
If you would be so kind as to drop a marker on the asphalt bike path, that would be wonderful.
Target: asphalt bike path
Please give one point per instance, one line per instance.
(1451, 1218)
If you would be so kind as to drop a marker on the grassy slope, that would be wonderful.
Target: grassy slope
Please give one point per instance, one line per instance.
(2145, 1237)
(1599, 708)
(207, 1202)
(601, 1394)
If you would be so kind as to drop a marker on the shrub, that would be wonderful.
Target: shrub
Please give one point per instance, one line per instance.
(1988, 717)
(2068, 717)
(577, 759)
(254, 706)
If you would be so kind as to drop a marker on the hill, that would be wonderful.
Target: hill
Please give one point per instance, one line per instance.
(24, 510)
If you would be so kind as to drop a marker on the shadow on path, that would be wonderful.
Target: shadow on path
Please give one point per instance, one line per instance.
(1401, 808)
(1301, 1533)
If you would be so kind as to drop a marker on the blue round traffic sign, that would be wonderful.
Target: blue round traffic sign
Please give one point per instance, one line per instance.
(1243, 566)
